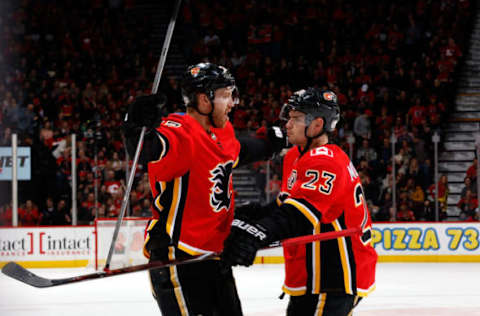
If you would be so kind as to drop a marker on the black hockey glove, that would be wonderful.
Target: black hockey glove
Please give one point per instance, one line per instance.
(242, 244)
(146, 111)
(251, 211)
(277, 139)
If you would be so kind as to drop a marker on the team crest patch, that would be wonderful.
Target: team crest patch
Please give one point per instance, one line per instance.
(329, 96)
(221, 190)
(194, 71)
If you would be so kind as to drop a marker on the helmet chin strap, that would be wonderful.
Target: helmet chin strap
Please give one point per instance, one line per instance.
(310, 140)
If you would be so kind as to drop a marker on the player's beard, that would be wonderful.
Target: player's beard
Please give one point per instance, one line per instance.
(220, 119)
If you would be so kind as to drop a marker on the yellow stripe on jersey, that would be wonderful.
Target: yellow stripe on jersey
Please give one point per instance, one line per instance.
(304, 209)
(172, 213)
(191, 250)
(176, 284)
(153, 222)
(164, 143)
(342, 247)
(294, 291)
(322, 298)
(316, 269)
(235, 164)
(159, 206)
(364, 293)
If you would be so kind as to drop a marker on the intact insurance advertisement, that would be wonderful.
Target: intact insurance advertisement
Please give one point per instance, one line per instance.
(47, 246)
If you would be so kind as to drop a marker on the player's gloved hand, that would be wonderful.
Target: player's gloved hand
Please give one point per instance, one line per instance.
(242, 244)
(250, 211)
(275, 137)
(143, 111)
(146, 111)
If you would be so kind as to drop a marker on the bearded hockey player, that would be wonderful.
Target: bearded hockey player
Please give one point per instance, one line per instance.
(190, 160)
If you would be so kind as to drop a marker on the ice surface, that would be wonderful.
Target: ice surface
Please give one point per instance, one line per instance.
(402, 289)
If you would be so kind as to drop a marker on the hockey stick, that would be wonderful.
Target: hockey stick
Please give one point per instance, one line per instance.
(156, 82)
(17, 272)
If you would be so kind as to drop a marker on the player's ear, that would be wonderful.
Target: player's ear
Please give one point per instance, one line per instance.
(203, 103)
(318, 124)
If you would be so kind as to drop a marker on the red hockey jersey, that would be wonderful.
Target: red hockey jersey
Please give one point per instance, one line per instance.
(191, 184)
(325, 187)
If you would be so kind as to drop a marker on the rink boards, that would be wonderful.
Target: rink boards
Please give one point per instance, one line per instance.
(394, 242)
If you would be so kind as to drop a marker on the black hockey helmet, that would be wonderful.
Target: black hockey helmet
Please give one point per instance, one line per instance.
(314, 103)
(206, 78)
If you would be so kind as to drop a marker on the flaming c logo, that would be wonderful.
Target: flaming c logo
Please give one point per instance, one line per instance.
(221, 190)
(329, 96)
(194, 71)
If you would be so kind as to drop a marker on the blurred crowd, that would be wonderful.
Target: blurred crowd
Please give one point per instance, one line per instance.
(73, 67)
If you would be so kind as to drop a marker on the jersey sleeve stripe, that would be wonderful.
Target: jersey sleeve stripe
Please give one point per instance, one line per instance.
(172, 213)
(165, 145)
(294, 291)
(344, 257)
(158, 205)
(152, 223)
(235, 164)
(306, 209)
(314, 217)
(365, 292)
(191, 250)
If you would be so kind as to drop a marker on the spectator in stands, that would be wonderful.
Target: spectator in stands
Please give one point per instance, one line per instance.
(442, 195)
(472, 171)
(28, 214)
(6, 215)
(63, 216)
(366, 152)
(417, 196)
(6, 137)
(384, 212)
(405, 214)
(427, 213)
(49, 213)
(467, 205)
(87, 209)
(362, 126)
(468, 186)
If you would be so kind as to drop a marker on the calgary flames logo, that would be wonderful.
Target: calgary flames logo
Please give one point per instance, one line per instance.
(221, 192)
(329, 96)
(194, 71)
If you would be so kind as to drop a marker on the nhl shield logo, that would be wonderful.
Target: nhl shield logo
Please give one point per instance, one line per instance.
(291, 179)
(221, 190)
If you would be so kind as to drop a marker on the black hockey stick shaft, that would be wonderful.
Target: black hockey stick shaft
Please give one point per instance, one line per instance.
(16, 271)
(156, 83)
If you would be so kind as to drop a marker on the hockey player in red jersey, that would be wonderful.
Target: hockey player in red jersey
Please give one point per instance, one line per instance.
(321, 192)
(190, 160)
